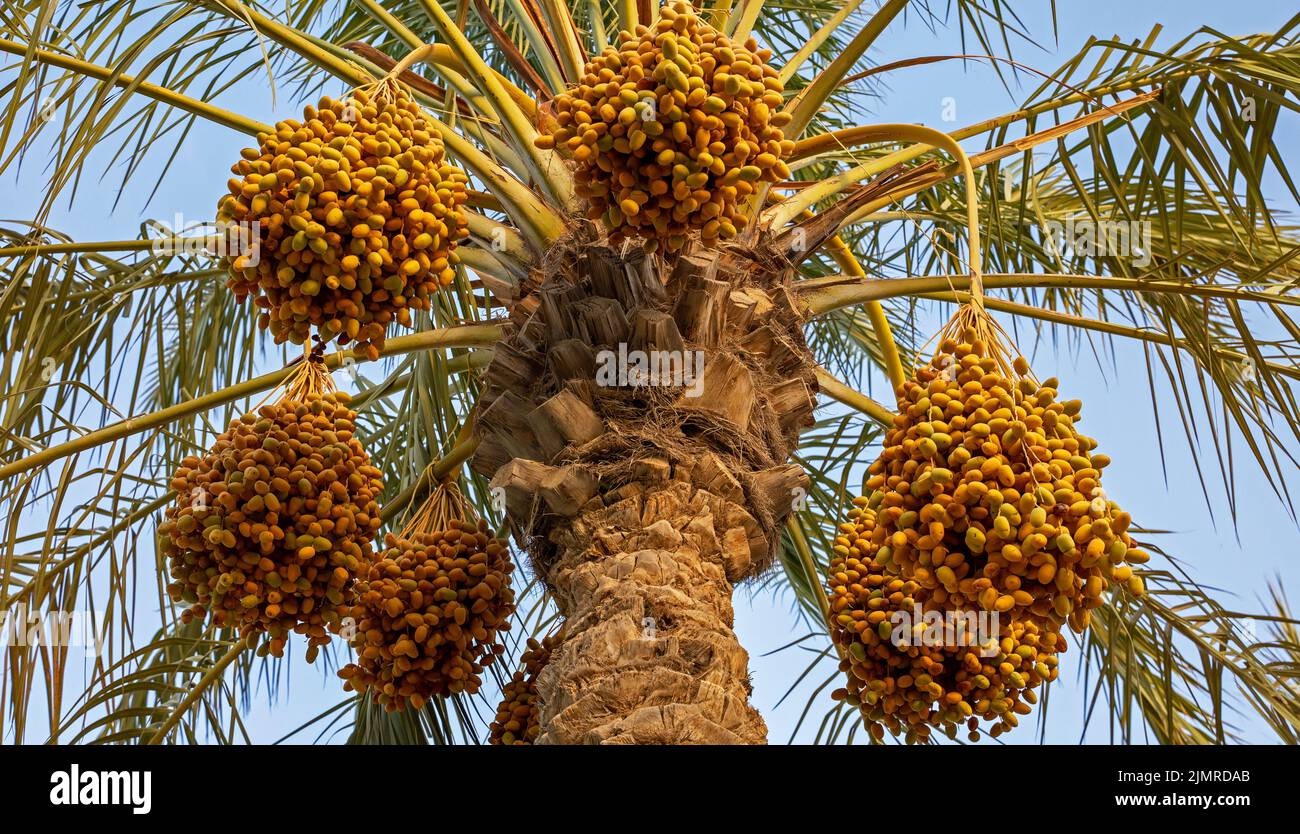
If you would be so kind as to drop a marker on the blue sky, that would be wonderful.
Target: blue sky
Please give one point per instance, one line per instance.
(1117, 410)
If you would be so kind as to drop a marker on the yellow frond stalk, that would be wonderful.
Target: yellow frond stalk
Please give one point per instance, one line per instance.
(803, 106)
(504, 237)
(818, 38)
(827, 296)
(720, 13)
(742, 24)
(1110, 328)
(539, 45)
(837, 390)
(628, 17)
(597, 23)
(476, 335)
(545, 166)
(391, 23)
(847, 261)
(566, 34)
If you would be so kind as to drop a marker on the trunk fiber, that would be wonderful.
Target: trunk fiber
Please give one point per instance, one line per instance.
(641, 500)
(649, 656)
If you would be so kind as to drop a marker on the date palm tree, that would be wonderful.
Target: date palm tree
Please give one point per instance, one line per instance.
(639, 509)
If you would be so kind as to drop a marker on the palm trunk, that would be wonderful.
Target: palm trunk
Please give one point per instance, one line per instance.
(649, 655)
(641, 505)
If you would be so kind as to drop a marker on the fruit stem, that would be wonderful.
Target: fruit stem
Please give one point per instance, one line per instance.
(939, 139)
(423, 53)
(436, 471)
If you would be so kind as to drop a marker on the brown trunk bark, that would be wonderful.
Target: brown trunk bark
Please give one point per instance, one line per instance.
(649, 656)
(641, 506)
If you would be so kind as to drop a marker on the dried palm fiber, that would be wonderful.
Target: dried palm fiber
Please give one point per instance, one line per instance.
(359, 214)
(518, 718)
(604, 477)
(671, 130)
(271, 524)
(429, 608)
(908, 678)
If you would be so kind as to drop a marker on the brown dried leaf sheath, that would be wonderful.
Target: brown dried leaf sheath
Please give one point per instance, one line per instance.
(641, 506)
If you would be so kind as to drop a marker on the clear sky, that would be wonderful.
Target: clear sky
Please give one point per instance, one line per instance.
(1117, 410)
